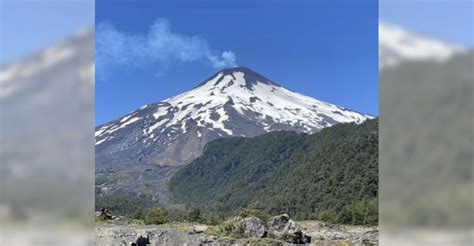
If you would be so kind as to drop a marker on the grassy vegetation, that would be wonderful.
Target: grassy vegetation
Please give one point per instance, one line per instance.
(255, 210)
(229, 229)
(261, 241)
(157, 216)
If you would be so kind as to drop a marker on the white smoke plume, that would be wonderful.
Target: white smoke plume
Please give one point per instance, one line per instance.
(159, 47)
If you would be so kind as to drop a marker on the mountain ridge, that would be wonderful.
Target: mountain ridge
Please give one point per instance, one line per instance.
(397, 45)
(233, 102)
(138, 152)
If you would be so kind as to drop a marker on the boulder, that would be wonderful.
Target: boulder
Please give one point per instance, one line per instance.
(339, 236)
(252, 227)
(141, 241)
(276, 225)
(293, 234)
(282, 227)
(291, 227)
(207, 239)
(200, 228)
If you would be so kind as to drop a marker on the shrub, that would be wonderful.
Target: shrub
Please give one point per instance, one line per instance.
(177, 215)
(157, 216)
(139, 214)
(328, 216)
(361, 212)
(195, 215)
(213, 219)
(255, 210)
(229, 229)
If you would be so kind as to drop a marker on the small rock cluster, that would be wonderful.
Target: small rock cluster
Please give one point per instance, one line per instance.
(279, 227)
(279, 230)
(341, 234)
(141, 236)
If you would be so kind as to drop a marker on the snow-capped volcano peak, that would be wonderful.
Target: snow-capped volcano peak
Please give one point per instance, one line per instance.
(233, 102)
(397, 45)
(242, 92)
(227, 77)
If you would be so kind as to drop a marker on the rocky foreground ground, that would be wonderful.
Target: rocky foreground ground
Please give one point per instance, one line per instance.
(280, 230)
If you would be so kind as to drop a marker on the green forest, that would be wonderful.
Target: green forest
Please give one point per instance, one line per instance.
(426, 141)
(331, 175)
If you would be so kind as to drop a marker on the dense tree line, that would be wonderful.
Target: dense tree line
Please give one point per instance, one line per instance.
(331, 175)
(426, 143)
(144, 208)
(132, 207)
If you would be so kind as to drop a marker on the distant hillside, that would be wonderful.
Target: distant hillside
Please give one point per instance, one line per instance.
(331, 175)
(426, 141)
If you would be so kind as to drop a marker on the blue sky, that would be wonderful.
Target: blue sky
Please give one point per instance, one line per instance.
(29, 26)
(324, 49)
(254, 32)
(448, 20)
